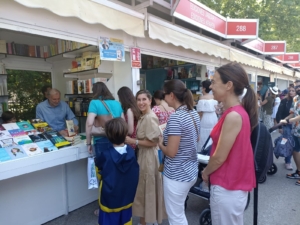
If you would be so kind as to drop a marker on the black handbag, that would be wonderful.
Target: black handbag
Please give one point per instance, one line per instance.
(205, 150)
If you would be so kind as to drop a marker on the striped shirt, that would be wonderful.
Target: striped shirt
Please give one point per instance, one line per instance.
(184, 166)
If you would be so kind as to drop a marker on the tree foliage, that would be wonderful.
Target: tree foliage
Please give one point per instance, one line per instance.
(24, 90)
(279, 20)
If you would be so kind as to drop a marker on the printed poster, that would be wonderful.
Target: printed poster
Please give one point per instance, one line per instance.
(111, 49)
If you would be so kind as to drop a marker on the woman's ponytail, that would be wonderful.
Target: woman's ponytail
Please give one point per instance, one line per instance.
(250, 104)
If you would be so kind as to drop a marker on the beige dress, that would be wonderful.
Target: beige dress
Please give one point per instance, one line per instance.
(149, 201)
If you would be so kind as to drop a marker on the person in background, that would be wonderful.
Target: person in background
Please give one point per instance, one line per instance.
(284, 93)
(284, 111)
(275, 107)
(45, 89)
(162, 109)
(131, 111)
(8, 117)
(207, 112)
(179, 144)
(55, 112)
(267, 106)
(119, 172)
(96, 108)
(230, 170)
(294, 119)
(260, 112)
(148, 202)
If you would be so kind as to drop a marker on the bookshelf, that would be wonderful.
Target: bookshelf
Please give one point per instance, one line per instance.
(96, 71)
(78, 95)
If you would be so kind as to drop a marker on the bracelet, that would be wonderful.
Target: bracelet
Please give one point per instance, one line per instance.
(136, 142)
(88, 144)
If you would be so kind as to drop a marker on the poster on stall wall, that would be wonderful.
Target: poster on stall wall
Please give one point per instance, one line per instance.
(136, 60)
(111, 49)
(210, 71)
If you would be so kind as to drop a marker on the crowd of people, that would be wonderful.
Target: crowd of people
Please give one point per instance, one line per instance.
(171, 122)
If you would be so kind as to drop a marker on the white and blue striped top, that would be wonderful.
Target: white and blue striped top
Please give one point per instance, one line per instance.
(184, 166)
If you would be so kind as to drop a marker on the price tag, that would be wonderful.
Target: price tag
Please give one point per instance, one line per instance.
(283, 141)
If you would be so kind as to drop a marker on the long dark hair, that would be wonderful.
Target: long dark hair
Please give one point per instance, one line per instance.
(206, 86)
(100, 90)
(128, 101)
(288, 95)
(183, 95)
(235, 73)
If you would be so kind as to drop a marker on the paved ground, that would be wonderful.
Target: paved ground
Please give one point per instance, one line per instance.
(279, 204)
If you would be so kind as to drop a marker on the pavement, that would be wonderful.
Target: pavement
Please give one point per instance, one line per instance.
(278, 204)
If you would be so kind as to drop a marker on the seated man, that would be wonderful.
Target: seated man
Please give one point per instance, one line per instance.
(55, 112)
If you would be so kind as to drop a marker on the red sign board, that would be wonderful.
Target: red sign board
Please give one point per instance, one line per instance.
(275, 47)
(136, 60)
(198, 14)
(288, 58)
(295, 65)
(245, 28)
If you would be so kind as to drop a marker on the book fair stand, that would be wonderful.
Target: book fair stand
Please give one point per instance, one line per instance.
(122, 44)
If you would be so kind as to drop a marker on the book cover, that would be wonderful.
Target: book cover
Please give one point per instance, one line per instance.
(4, 134)
(31, 50)
(32, 149)
(4, 156)
(70, 128)
(37, 138)
(75, 88)
(17, 132)
(10, 126)
(46, 146)
(16, 152)
(25, 126)
(22, 140)
(57, 139)
(3, 46)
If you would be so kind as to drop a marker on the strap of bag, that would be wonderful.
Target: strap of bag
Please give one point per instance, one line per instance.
(107, 108)
(204, 146)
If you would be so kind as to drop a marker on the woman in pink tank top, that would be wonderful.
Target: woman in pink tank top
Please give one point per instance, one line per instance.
(230, 170)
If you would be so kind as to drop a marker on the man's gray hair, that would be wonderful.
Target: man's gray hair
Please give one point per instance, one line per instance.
(53, 91)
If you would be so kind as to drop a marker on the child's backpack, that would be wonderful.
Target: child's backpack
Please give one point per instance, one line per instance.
(284, 144)
(263, 150)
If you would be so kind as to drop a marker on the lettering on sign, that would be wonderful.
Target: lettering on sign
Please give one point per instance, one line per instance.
(274, 47)
(241, 28)
(201, 16)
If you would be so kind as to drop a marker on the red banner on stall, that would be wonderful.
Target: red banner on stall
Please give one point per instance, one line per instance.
(200, 15)
(135, 55)
(242, 28)
(257, 45)
(275, 47)
(288, 58)
(295, 65)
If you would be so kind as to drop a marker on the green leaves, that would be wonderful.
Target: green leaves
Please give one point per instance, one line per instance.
(279, 20)
(24, 89)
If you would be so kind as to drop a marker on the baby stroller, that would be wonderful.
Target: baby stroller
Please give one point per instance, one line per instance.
(202, 190)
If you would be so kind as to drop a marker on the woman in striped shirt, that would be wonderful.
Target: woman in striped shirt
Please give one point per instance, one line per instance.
(179, 145)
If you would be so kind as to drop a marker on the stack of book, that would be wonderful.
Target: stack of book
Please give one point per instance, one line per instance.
(75, 140)
(82, 86)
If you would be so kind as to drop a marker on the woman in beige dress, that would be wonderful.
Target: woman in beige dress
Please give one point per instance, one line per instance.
(148, 203)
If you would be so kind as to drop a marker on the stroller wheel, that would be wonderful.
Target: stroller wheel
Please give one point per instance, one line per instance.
(272, 170)
(205, 217)
(262, 180)
(185, 203)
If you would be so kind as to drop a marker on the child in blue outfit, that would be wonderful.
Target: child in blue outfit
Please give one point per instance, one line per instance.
(119, 172)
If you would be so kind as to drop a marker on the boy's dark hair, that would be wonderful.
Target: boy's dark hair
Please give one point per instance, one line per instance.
(7, 116)
(116, 130)
(45, 88)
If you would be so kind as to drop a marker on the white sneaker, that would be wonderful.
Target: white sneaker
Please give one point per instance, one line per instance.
(288, 166)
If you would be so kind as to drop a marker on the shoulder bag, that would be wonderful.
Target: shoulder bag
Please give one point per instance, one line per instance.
(99, 122)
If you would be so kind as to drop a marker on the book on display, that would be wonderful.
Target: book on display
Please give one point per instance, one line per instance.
(22, 140)
(16, 152)
(4, 156)
(46, 146)
(70, 128)
(25, 126)
(10, 126)
(56, 138)
(17, 132)
(32, 149)
(37, 138)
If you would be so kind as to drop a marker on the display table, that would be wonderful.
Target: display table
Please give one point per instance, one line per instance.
(37, 189)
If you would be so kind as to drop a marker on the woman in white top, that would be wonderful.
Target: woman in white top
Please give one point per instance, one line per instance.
(207, 112)
(275, 107)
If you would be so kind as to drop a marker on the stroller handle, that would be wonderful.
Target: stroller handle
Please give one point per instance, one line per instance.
(276, 127)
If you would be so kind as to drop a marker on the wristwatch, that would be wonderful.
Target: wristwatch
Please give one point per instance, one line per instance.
(136, 142)
(287, 120)
(88, 144)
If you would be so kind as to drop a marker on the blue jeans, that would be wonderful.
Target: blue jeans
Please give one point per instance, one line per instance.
(100, 144)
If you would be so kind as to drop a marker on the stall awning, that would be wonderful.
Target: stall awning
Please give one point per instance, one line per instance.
(297, 74)
(287, 71)
(246, 59)
(103, 12)
(272, 67)
(168, 33)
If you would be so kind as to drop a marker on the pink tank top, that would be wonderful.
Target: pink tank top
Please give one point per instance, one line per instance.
(237, 172)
